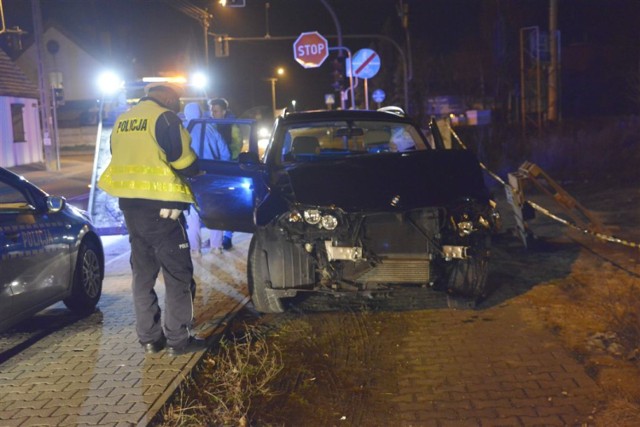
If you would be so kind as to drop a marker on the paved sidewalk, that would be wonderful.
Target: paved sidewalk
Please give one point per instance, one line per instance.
(57, 370)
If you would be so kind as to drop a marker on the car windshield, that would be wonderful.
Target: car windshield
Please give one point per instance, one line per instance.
(318, 140)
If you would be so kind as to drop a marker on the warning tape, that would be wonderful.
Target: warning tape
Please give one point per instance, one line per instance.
(600, 236)
(546, 212)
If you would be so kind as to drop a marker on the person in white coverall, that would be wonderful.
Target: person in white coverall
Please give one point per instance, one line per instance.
(208, 144)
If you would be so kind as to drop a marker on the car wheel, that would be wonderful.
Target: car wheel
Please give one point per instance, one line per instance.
(259, 279)
(468, 277)
(87, 280)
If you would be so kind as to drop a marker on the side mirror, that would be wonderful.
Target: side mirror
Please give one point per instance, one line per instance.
(248, 158)
(55, 203)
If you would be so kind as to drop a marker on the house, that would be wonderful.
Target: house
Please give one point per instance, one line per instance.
(20, 132)
(72, 68)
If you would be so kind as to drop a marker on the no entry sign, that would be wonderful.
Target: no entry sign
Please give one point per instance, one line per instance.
(310, 49)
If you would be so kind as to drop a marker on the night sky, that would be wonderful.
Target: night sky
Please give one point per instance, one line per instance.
(141, 37)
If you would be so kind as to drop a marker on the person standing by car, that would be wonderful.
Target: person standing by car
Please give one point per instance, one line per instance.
(231, 134)
(208, 144)
(151, 157)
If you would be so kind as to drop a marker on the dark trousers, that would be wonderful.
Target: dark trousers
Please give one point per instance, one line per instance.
(160, 243)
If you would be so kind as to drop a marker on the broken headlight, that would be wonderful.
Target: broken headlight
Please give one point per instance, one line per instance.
(470, 217)
(323, 218)
(329, 222)
(312, 216)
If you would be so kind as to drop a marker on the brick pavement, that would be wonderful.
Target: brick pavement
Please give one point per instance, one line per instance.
(488, 368)
(93, 371)
(455, 368)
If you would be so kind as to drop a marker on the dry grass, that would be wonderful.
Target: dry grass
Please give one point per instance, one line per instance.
(624, 308)
(595, 311)
(222, 389)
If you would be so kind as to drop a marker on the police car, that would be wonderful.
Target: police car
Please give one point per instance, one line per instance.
(49, 252)
(354, 203)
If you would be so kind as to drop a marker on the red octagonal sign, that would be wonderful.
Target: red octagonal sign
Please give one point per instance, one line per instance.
(310, 49)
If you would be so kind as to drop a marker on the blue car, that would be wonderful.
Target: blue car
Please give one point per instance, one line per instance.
(49, 252)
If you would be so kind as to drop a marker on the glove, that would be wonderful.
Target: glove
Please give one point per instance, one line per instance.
(170, 213)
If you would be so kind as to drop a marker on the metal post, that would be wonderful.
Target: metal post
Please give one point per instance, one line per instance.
(273, 95)
(48, 133)
(54, 109)
(205, 27)
(523, 92)
(366, 94)
(96, 154)
(552, 89)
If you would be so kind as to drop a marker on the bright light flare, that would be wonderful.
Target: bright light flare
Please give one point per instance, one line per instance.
(174, 79)
(199, 80)
(109, 83)
(264, 133)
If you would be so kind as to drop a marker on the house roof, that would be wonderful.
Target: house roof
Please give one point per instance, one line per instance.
(13, 82)
(83, 44)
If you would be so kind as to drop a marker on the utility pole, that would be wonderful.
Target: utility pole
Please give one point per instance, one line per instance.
(273, 81)
(198, 14)
(552, 90)
(49, 126)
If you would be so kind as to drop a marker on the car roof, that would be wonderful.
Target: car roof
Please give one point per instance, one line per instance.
(10, 175)
(323, 115)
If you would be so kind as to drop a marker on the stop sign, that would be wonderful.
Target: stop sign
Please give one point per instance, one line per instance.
(310, 49)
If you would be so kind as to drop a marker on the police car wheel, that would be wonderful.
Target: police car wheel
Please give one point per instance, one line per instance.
(87, 280)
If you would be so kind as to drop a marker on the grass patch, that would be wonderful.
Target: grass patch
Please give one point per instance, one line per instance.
(224, 385)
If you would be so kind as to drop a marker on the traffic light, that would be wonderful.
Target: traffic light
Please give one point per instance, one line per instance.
(221, 46)
(338, 74)
(58, 95)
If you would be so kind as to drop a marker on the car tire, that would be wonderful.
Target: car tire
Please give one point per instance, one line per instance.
(259, 278)
(468, 277)
(87, 280)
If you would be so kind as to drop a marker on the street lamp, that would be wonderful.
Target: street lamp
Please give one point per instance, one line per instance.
(273, 80)
(293, 104)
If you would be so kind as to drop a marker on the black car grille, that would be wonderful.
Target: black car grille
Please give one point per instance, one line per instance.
(391, 270)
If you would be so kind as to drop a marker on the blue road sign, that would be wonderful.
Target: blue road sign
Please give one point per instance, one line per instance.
(365, 63)
(378, 95)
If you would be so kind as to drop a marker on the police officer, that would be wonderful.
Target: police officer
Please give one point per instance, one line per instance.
(151, 157)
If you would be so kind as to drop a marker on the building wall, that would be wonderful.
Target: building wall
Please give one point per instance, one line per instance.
(78, 69)
(21, 153)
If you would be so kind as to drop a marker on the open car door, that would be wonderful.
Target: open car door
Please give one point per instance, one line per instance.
(226, 190)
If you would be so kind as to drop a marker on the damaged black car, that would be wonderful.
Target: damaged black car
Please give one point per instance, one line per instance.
(353, 202)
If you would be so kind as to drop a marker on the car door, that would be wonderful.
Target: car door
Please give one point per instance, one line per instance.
(35, 262)
(227, 191)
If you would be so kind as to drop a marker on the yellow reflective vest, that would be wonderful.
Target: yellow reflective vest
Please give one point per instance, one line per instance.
(139, 167)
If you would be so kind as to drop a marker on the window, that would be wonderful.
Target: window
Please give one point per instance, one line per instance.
(11, 199)
(17, 120)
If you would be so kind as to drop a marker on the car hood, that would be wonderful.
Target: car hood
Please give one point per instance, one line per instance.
(389, 181)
